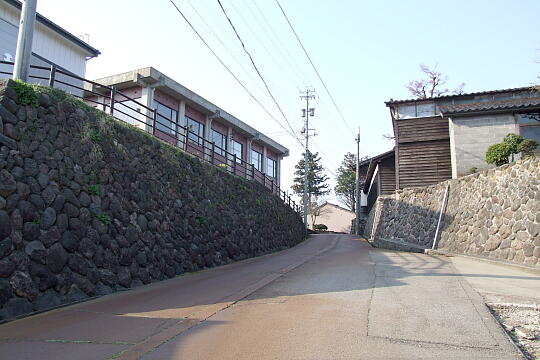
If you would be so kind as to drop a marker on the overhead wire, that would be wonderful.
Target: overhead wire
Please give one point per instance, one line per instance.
(314, 68)
(285, 56)
(256, 68)
(293, 134)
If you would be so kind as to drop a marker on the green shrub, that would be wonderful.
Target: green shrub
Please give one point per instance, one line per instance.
(320, 227)
(26, 93)
(498, 154)
(527, 146)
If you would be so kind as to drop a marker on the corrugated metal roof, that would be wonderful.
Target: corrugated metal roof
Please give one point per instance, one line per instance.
(520, 89)
(521, 103)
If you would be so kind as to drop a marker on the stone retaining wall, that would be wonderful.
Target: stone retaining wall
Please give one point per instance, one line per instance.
(493, 214)
(89, 206)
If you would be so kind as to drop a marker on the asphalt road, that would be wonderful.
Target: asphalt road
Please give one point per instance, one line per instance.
(331, 297)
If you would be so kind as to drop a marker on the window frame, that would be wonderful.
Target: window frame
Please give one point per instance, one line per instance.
(273, 171)
(173, 120)
(221, 148)
(239, 157)
(259, 164)
(195, 138)
(526, 125)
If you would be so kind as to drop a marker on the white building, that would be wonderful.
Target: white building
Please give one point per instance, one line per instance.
(52, 45)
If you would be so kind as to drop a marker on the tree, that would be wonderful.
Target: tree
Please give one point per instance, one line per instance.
(317, 179)
(499, 154)
(433, 86)
(315, 210)
(346, 181)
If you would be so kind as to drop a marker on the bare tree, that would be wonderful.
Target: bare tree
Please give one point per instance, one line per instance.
(315, 210)
(433, 86)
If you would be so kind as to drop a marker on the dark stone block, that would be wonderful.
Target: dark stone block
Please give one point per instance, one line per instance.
(6, 267)
(5, 225)
(17, 306)
(23, 286)
(56, 258)
(70, 242)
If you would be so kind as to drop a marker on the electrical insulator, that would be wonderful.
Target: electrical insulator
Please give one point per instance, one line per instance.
(312, 112)
(303, 112)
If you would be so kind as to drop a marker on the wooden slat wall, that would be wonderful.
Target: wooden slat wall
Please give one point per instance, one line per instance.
(424, 163)
(387, 169)
(422, 129)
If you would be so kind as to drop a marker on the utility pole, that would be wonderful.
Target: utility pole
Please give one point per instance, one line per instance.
(24, 40)
(307, 112)
(357, 198)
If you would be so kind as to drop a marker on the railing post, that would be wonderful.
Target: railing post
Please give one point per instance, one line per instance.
(154, 122)
(272, 185)
(113, 94)
(52, 75)
(213, 151)
(252, 172)
(234, 164)
(186, 138)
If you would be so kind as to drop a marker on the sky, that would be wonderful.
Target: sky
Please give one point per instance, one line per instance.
(365, 52)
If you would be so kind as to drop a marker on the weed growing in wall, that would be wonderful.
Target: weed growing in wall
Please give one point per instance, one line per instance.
(94, 189)
(26, 93)
(104, 218)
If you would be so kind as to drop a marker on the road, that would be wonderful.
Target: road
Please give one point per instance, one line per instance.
(331, 297)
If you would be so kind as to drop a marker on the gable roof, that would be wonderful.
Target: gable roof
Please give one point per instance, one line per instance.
(455, 96)
(59, 30)
(326, 203)
(497, 105)
(373, 164)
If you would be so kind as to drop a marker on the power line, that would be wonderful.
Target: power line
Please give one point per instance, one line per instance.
(264, 46)
(231, 73)
(255, 66)
(286, 56)
(313, 65)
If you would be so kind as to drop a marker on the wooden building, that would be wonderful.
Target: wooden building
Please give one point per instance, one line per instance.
(447, 137)
(380, 179)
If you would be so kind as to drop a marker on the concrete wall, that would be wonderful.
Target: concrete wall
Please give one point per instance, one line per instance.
(493, 214)
(470, 138)
(336, 218)
(90, 205)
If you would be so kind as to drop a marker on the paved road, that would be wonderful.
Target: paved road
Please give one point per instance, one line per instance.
(331, 297)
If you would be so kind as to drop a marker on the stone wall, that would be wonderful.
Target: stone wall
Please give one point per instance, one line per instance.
(89, 206)
(493, 214)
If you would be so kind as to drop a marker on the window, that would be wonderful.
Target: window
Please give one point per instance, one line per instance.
(196, 131)
(529, 126)
(256, 159)
(129, 111)
(271, 169)
(238, 150)
(166, 118)
(220, 140)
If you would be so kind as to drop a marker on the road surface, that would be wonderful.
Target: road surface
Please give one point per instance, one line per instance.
(331, 297)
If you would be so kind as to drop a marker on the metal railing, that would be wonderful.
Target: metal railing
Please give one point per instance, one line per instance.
(125, 108)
